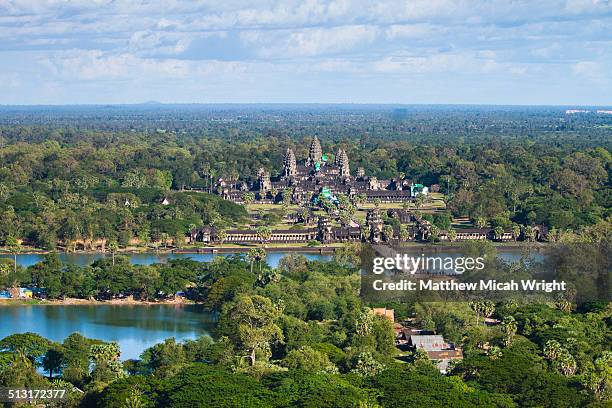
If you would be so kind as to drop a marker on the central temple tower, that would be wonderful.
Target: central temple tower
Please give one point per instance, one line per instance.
(315, 153)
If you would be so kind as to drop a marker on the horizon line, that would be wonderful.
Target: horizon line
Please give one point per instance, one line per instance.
(156, 103)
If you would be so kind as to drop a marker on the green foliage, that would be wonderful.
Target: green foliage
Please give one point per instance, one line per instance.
(165, 359)
(308, 359)
(31, 345)
(521, 373)
(204, 385)
(424, 386)
(250, 322)
(303, 389)
(306, 340)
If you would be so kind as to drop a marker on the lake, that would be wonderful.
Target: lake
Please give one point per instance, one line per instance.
(134, 327)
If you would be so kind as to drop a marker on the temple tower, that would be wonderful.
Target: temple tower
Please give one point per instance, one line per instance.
(344, 165)
(315, 152)
(338, 157)
(263, 180)
(289, 164)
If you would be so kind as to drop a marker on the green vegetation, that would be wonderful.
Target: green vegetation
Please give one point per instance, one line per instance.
(104, 279)
(300, 335)
(80, 189)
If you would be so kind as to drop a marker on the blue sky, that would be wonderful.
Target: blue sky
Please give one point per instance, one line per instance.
(379, 51)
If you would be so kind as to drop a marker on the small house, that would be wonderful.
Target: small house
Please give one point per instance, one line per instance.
(383, 311)
(25, 293)
(438, 350)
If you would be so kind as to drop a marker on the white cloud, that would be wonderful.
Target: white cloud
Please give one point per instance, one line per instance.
(112, 42)
(97, 65)
(309, 42)
(588, 69)
(412, 31)
(435, 63)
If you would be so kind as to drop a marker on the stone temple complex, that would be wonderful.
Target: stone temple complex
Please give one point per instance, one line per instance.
(315, 175)
(319, 182)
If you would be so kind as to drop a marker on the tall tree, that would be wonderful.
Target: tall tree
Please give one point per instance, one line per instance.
(251, 321)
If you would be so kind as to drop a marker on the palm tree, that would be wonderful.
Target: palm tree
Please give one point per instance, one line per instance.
(205, 172)
(267, 276)
(488, 308)
(563, 304)
(498, 232)
(256, 254)
(252, 255)
(365, 231)
(480, 222)
(567, 364)
(482, 308)
(21, 358)
(191, 228)
(112, 247)
(221, 236)
(13, 246)
(516, 231)
(404, 235)
(388, 231)
(361, 198)
(510, 327)
(212, 173)
(264, 233)
(164, 238)
(529, 233)
(552, 350)
(134, 400)
(248, 198)
(286, 196)
(434, 233)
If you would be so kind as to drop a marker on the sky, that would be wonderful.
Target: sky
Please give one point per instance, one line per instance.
(546, 52)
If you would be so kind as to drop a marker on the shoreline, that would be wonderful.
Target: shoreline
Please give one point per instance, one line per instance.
(93, 302)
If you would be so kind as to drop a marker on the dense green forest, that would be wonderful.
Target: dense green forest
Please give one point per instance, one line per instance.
(300, 335)
(85, 174)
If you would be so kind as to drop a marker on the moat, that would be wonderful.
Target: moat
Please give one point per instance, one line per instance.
(273, 258)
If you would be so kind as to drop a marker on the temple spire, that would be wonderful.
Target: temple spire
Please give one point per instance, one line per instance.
(289, 164)
(343, 163)
(315, 152)
(338, 157)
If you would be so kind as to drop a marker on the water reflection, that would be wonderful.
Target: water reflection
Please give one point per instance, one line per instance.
(134, 327)
(25, 260)
(148, 258)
